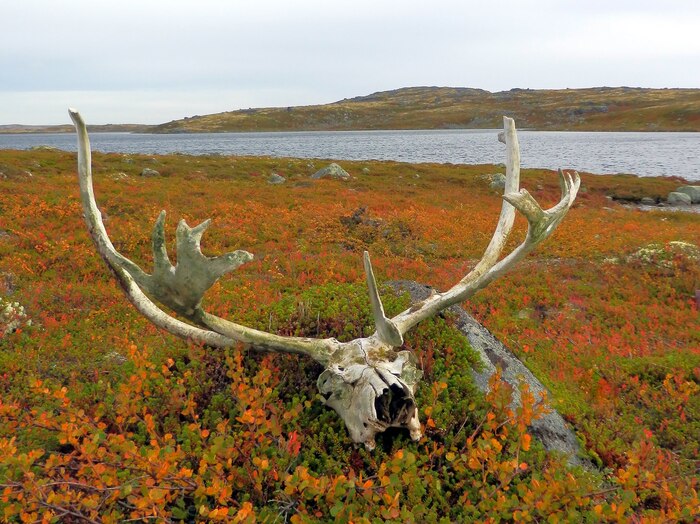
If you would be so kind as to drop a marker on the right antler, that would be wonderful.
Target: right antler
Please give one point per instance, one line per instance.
(367, 381)
(541, 224)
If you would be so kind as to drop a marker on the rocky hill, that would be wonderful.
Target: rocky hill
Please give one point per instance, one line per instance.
(593, 109)
(68, 128)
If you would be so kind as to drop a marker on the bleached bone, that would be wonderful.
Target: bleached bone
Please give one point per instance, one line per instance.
(367, 380)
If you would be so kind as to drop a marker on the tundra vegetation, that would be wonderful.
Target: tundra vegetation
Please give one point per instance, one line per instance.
(593, 109)
(105, 418)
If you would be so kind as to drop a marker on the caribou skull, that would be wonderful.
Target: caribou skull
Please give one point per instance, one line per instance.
(367, 380)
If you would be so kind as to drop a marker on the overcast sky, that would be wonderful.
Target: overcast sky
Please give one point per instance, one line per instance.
(151, 61)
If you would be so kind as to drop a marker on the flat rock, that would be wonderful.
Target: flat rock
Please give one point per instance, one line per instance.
(276, 179)
(551, 429)
(148, 172)
(331, 171)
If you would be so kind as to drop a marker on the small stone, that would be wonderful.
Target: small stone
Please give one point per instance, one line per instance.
(679, 199)
(276, 179)
(647, 201)
(365, 170)
(115, 357)
(692, 191)
(8, 283)
(331, 171)
(524, 314)
(148, 172)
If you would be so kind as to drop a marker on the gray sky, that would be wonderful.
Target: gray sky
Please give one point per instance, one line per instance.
(151, 61)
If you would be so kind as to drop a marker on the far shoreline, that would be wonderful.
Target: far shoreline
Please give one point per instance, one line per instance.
(61, 130)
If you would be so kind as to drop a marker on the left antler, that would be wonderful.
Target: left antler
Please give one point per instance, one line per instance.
(368, 382)
(180, 287)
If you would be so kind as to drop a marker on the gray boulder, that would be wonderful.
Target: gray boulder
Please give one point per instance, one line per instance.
(692, 191)
(148, 172)
(498, 181)
(679, 199)
(648, 201)
(551, 429)
(276, 179)
(331, 171)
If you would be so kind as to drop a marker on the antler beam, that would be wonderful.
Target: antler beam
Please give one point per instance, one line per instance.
(541, 224)
(181, 287)
(367, 381)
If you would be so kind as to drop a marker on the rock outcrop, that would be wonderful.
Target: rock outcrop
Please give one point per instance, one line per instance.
(332, 171)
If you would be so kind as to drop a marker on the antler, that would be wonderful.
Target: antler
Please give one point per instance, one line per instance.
(366, 381)
(541, 224)
(180, 287)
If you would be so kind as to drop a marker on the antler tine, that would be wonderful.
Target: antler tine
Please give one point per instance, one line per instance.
(507, 217)
(540, 225)
(386, 329)
(182, 287)
(160, 253)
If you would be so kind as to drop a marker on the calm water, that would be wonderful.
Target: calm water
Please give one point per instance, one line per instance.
(643, 154)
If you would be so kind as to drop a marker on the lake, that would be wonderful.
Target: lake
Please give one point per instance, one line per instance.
(642, 154)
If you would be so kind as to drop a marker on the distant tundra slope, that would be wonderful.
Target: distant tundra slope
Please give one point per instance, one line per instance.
(593, 109)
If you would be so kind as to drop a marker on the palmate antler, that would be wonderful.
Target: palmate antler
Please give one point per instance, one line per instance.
(367, 381)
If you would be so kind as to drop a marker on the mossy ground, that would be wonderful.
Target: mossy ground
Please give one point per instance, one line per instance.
(104, 417)
(592, 109)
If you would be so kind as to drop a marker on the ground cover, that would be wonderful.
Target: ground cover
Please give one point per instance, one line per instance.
(590, 109)
(104, 418)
